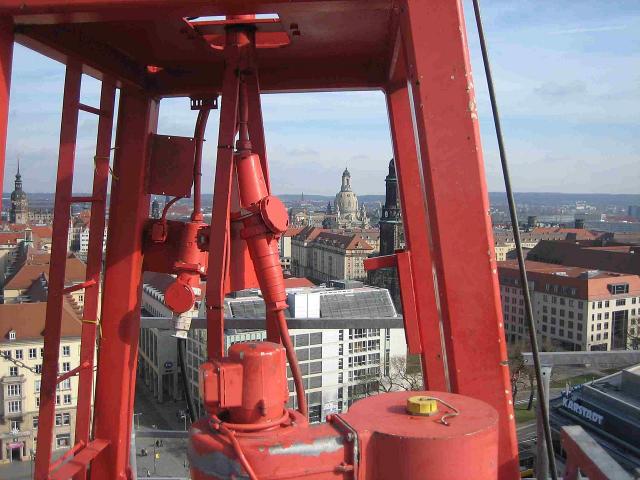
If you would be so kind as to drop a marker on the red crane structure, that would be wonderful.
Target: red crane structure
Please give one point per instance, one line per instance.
(415, 51)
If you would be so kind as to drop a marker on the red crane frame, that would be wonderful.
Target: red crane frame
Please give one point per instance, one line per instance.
(414, 51)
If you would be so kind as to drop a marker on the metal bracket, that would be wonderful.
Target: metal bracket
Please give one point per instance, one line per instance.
(199, 103)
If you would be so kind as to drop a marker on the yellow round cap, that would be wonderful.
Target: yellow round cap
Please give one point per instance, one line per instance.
(419, 405)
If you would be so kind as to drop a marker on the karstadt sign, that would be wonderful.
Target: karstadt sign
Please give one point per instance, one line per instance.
(582, 411)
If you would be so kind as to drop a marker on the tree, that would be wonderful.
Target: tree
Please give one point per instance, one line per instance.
(400, 374)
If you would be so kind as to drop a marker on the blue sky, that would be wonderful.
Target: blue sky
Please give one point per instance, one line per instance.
(567, 77)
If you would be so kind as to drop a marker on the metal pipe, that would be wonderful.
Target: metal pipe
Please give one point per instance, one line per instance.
(542, 397)
(198, 136)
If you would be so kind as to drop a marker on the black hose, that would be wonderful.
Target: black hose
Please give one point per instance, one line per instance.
(531, 322)
(191, 408)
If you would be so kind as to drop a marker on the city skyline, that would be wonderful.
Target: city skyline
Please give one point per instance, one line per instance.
(568, 115)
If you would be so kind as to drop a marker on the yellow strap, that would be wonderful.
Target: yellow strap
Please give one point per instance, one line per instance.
(96, 323)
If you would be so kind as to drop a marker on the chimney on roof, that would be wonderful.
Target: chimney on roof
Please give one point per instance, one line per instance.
(578, 222)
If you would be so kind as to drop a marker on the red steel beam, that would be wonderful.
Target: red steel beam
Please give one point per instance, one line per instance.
(219, 242)
(61, 217)
(129, 208)
(449, 149)
(94, 262)
(416, 232)
(6, 59)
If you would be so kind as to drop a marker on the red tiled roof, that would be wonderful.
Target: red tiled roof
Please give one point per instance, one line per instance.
(291, 232)
(38, 264)
(27, 320)
(588, 284)
(580, 233)
(297, 282)
(345, 242)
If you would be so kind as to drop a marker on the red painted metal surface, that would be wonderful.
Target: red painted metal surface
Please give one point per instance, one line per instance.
(117, 361)
(6, 59)
(53, 322)
(150, 50)
(446, 122)
(376, 440)
(399, 446)
(94, 264)
(416, 228)
(171, 165)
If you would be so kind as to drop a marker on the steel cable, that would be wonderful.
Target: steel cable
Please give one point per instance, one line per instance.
(531, 323)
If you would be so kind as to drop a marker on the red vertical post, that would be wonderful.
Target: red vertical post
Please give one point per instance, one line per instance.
(117, 361)
(94, 262)
(219, 243)
(61, 216)
(6, 59)
(449, 149)
(416, 232)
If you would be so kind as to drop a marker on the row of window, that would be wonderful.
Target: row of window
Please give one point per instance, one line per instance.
(18, 354)
(14, 371)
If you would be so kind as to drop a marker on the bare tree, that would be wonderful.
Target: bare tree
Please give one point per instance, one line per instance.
(400, 376)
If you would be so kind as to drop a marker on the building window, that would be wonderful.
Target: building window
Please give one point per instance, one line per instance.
(13, 371)
(14, 390)
(33, 353)
(15, 406)
(617, 289)
(15, 425)
(19, 355)
(38, 368)
(620, 302)
(66, 366)
(67, 399)
(35, 422)
(37, 386)
(12, 334)
(66, 351)
(63, 440)
(599, 304)
(42, 353)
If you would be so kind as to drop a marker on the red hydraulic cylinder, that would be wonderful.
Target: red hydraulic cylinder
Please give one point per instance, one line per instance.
(129, 208)
(6, 59)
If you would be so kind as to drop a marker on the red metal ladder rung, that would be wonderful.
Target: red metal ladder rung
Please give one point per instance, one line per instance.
(72, 372)
(94, 110)
(80, 461)
(79, 286)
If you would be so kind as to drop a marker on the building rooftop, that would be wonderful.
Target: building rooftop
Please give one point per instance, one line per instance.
(343, 241)
(27, 321)
(36, 264)
(613, 258)
(579, 282)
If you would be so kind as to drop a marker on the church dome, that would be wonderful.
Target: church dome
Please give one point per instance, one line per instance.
(346, 200)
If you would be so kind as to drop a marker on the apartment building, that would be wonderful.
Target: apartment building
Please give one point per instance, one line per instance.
(284, 247)
(323, 255)
(504, 243)
(22, 350)
(575, 308)
(29, 280)
(338, 366)
(158, 362)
